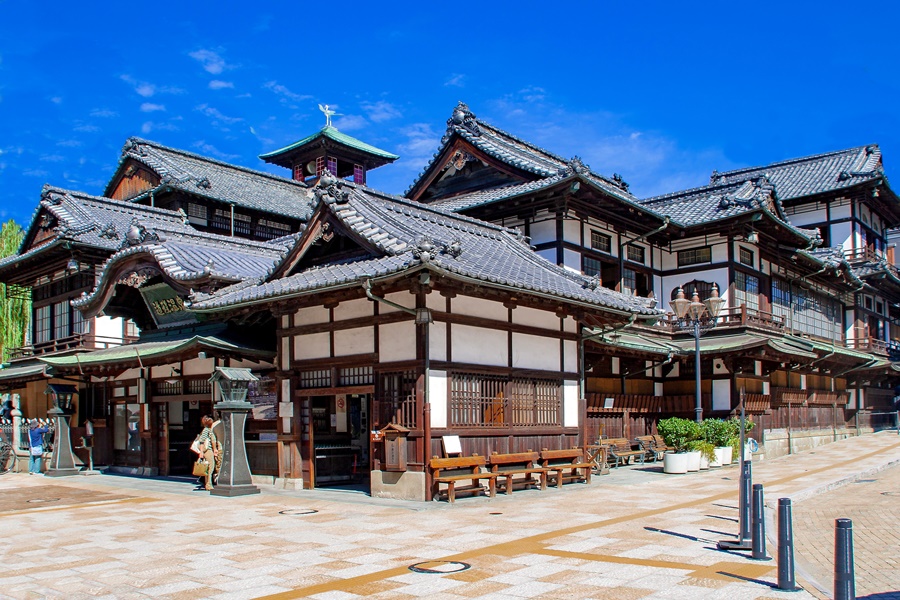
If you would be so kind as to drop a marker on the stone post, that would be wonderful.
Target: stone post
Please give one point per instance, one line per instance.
(62, 461)
(235, 478)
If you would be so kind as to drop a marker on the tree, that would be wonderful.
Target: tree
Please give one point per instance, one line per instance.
(15, 308)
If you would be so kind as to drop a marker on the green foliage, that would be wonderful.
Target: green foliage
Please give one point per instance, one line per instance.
(704, 448)
(678, 432)
(14, 312)
(716, 431)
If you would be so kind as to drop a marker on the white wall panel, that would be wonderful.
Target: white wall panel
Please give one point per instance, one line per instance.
(354, 309)
(397, 341)
(199, 366)
(572, 231)
(721, 394)
(570, 404)
(476, 307)
(437, 341)
(535, 352)
(314, 345)
(570, 355)
(437, 392)
(543, 231)
(841, 235)
(284, 354)
(572, 260)
(401, 298)
(311, 315)
(109, 327)
(479, 346)
(840, 212)
(354, 341)
(535, 318)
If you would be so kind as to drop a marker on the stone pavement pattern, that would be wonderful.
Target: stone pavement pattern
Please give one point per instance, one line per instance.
(634, 534)
(873, 504)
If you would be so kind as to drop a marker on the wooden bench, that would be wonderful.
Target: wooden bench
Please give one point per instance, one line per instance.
(460, 468)
(620, 450)
(507, 466)
(566, 465)
(654, 445)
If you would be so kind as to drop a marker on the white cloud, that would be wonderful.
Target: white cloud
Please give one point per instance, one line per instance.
(103, 113)
(350, 123)
(456, 80)
(86, 128)
(68, 143)
(216, 115)
(35, 173)
(381, 111)
(52, 158)
(210, 150)
(285, 93)
(149, 126)
(210, 60)
(150, 107)
(146, 90)
(421, 142)
(56, 100)
(216, 84)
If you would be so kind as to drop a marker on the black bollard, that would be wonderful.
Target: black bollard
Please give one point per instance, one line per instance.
(746, 491)
(844, 579)
(758, 544)
(786, 580)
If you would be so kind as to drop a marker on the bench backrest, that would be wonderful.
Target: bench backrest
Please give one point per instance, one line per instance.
(457, 462)
(659, 441)
(571, 455)
(518, 458)
(618, 444)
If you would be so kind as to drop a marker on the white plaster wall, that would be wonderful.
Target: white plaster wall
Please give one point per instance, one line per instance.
(535, 352)
(570, 404)
(436, 302)
(543, 231)
(807, 217)
(535, 318)
(570, 356)
(548, 254)
(840, 210)
(841, 235)
(572, 260)
(312, 315)
(397, 341)
(285, 321)
(721, 394)
(199, 366)
(437, 392)
(314, 345)
(570, 325)
(437, 341)
(572, 231)
(475, 307)
(354, 309)
(354, 341)
(658, 388)
(479, 346)
(108, 327)
(128, 374)
(285, 353)
(401, 298)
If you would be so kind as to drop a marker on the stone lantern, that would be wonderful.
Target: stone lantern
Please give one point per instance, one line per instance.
(233, 384)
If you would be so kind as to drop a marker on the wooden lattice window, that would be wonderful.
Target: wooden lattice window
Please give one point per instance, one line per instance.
(395, 399)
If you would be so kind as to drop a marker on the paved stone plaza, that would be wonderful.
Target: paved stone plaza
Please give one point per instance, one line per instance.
(633, 534)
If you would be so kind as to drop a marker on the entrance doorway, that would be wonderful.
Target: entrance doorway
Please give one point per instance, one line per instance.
(182, 425)
(340, 437)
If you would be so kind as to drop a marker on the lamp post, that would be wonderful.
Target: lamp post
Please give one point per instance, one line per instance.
(235, 478)
(62, 461)
(697, 316)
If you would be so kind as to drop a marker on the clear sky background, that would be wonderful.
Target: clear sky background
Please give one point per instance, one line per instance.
(661, 92)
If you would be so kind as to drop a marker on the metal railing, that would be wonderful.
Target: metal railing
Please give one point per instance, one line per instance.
(72, 342)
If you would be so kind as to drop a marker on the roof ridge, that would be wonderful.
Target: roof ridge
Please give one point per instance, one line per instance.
(521, 141)
(796, 160)
(708, 187)
(134, 141)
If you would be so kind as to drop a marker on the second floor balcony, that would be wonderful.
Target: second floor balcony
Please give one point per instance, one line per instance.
(78, 341)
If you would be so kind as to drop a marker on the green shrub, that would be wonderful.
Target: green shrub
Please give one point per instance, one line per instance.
(678, 432)
(733, 429)
(704, 448)
(716, 431)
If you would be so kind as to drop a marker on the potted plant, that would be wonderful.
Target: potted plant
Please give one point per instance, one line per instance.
(734, 439)
(718, 433)
(706, 451)
(677, 433)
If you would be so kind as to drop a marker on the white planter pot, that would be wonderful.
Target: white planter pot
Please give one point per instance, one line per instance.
(704, 463)
(727, 455)
(718, 461)
(693, 461)
(675, 463)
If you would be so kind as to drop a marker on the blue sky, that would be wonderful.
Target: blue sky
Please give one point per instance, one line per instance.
(660, 92)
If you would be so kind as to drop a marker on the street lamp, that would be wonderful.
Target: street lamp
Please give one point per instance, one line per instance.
(696, 315)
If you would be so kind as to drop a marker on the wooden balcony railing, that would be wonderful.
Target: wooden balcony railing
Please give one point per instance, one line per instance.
(738, 316)
(72, 342)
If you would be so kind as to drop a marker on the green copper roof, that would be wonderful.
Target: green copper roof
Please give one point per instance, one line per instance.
(335, 135)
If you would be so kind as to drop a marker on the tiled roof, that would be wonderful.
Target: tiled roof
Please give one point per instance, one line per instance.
(333, 134)
(218, 180)
(464, 202)
(716, 202)
(411, 235)
(190, 256)
(94, 221)
(816, 174)
(506, 148)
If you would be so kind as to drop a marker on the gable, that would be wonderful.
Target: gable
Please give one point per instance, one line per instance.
(133, 180)
(43, 229)
(463, 168)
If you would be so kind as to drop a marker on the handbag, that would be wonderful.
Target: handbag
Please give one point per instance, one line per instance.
(201, 468)
(195, 446)
(37, 450)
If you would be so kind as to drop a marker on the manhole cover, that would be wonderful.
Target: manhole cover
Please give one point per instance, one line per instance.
(43, 500)
(890, 493)
(297, 512)
(495, 513)
(439, 566)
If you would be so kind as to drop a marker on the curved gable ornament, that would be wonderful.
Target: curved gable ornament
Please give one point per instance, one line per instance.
(330, 190)
(138, 234)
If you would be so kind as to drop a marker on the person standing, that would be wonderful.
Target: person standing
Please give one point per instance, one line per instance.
(209, 446)
(36, 442)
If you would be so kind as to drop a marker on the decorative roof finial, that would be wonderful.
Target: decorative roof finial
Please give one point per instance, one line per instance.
(328, 114)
